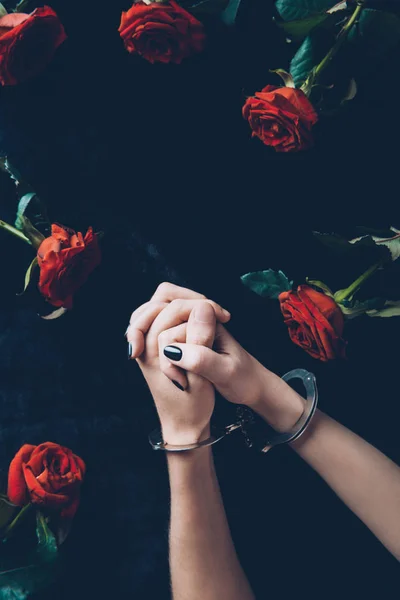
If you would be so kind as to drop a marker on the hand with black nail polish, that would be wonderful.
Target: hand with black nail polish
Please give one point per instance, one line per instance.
(184, 402)
(173, 352)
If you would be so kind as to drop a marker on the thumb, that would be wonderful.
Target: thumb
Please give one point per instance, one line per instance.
(199, 360)
(201, 325)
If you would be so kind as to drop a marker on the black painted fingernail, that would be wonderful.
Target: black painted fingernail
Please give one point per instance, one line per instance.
(173, 353)
(129, 350)
(178, 385)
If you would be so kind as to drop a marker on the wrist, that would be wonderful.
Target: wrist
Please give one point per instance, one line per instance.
(277, 403)
(179, 436)
(187, 470)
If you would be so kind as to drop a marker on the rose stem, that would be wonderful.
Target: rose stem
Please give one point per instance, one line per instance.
(335, 48)
(21, 515)
(14, 231)
(343, 294)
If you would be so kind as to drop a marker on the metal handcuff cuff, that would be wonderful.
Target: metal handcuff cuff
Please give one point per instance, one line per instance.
(246, 421)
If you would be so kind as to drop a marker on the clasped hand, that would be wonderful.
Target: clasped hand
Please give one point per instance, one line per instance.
(184, 351)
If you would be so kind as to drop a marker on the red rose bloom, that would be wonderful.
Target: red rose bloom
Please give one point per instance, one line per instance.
(48, 475)
(282, 117)
(66, 259)
(28, 43)
(161, 32)
(315, 322)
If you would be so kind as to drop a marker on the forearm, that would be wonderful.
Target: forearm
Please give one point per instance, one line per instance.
(364, 478)
(204, 564)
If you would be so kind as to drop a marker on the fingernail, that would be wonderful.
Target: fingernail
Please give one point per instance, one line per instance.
(129, 350)
(178, 385)
(173, 353)
(126, 332)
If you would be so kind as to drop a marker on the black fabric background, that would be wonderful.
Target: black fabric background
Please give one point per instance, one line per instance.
(159, 158)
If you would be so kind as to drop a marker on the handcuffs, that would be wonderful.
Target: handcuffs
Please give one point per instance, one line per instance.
(246, 422)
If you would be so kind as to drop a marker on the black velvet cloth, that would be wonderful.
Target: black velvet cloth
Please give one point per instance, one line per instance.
(159, 158)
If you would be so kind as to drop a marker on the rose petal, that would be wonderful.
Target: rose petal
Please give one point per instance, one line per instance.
(17, 489)
(39, 495)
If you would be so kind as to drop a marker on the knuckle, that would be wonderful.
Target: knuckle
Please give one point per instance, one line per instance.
(163, 338)
(215, 306)
(157, 303)
(136, 312)
(163, 288)
(210, 306)
(156, 306)
(177, 304)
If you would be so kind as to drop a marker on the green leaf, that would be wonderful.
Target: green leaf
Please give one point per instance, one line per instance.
(34, 235)
(268, 284)
(298, 30)
(364, 244)
(376, 33)
(16, 522)
(359, 307)
(21, 6)
(32, 218)
(306, 58)
(285, 76)
(29, 275)
(22, 206)
(322, 286)
(10, 170)
(295, 10)
(59, 312)
(384, 233)
(200, 7)
(20, 582)
(3, 11)
(230, 13)
(333, 241)
(386, 5)
(7, 511)
(351, 91)
(390, 309)
(47, 545)
(392, 243)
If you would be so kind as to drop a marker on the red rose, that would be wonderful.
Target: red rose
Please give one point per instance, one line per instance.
(315, 322)
(27, 43)
(282, 117)
(66, 259)
(161, 32)
(48, 475)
